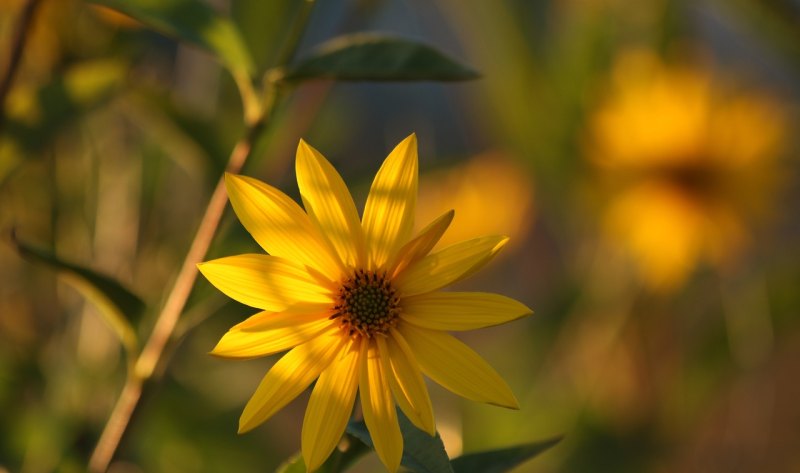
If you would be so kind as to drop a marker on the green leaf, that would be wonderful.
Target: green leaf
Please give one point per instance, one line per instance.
(349, 450)
(193, 21)
(376, 57)
(421, 452)
(118, 305)
(500, 461)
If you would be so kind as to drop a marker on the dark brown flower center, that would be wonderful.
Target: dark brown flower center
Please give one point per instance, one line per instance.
(367, 304)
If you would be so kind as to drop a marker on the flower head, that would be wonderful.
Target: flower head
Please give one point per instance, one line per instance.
(357, 303)
(692, 158)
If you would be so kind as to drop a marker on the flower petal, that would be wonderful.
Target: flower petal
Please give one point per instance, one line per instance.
(247, 344)
(279, 225)
(422, 244)
(449, 265)
(451, 311)
(378, 408)
(406, 381)
(264, 282)
(457, 367)
(389, 212)
(329, 408)
(329, 205)
(289, 377)
(297, 314)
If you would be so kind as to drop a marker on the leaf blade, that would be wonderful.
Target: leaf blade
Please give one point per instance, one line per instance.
(377, 57)
(118, 306)
(192, 21)
(421, 452)
(501, 460)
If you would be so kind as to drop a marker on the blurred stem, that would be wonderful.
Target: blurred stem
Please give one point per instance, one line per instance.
(167, 320)
(15, 54)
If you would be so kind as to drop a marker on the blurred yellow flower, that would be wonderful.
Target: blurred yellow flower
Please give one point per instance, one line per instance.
(357, 303)
(485, 185)
(690, 158)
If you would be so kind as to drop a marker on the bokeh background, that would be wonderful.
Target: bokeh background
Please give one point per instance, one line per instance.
(641, 156)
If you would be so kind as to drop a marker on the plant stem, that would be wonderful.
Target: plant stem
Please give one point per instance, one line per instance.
(147, 361)
(164, 327)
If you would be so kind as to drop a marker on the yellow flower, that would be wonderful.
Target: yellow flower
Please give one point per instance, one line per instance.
(690, 159)
(357, 303)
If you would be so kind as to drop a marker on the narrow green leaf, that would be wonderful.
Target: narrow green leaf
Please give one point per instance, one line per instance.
(376, 57)
(119, 306)
(349, 450)
(190, 20)
(421, 452)
(502, 460)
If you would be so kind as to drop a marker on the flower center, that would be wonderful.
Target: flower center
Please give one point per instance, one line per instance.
(367, 304)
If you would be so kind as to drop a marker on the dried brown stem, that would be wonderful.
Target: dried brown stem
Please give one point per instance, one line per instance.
(168, 318)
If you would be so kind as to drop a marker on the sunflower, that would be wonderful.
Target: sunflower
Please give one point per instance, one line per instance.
(357, 303)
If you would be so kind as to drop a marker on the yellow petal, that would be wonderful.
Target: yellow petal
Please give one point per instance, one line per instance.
(389, 212)
(300, 313)
(279, 225)
(264, 282)
(289, 377)
(406, 381)
(246, 344)
(329, 205)
(451, 311)
(422, 244)
(378, 408)
(329, 408)
(449, 265)
(455, 366)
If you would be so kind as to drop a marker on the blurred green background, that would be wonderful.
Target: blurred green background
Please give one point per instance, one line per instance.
(641, 155)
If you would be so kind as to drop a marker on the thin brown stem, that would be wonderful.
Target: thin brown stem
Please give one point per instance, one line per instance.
(167, 320)
(151, 354)
(15, 56)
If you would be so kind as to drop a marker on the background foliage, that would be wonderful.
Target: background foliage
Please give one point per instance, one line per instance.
(665, 334)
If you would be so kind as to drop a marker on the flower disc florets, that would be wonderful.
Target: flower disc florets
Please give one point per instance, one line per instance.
(367, 304)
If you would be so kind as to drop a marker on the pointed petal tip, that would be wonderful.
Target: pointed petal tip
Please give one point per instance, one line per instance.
(304, 146)
(244, 427)
(508, 403)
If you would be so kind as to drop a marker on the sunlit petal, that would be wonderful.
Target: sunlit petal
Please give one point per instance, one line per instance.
(406, 381)
(279, 225)
(449, 265)
(248, 344)
(378, 407)
(451, 311)
(422, 244)
(329, 204)
(289, 377)
(457, 367)
(264, 282)
(329, 407)
(297, 314)
(389, 212)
